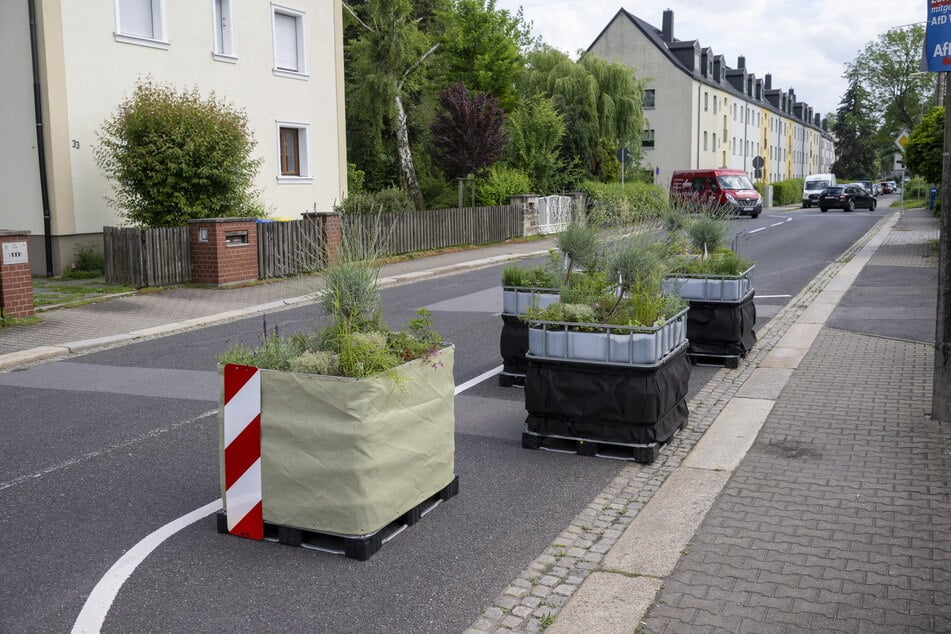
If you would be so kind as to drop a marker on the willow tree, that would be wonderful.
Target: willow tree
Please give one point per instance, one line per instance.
(601, 100)
(386, 62)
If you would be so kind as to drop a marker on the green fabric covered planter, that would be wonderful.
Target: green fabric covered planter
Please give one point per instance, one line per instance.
(349, 456)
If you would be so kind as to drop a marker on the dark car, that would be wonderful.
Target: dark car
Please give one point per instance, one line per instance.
(847, 198)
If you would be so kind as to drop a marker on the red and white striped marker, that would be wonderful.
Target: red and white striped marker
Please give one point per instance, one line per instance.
(242, 420)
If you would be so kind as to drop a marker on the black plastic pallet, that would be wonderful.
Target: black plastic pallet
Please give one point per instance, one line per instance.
(731, 361)
(360, 547)
(511, 379)
(645, 454)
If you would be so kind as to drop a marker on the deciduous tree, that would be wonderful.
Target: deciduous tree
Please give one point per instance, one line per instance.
(468, 135)
(925, 147)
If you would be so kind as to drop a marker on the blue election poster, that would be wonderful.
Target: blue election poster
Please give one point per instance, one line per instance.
(938, 36)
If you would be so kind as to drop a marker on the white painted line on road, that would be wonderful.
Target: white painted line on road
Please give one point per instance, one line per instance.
(773, 296)
(479, 379)
(758, 230)
(100, 600)
(776, 224)
(95, 454)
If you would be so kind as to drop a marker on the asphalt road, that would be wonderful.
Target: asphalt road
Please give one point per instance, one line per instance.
(102, 449)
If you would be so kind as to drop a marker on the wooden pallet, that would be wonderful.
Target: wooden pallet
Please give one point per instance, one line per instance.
(645, 454)
(360, 547)
(511, 379)
(731, 361)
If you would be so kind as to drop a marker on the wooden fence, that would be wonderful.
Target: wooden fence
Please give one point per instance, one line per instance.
(406, 232)
(157, 257)
(146, 257)
(290, 248)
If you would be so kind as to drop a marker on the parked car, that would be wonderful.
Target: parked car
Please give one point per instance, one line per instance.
(847, 198)
(869, 187)
(888, 187)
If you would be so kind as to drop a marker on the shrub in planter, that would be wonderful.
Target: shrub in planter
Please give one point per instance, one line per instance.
(357, 420)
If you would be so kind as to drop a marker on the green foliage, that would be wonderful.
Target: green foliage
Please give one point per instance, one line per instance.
(532, 277)
(854, 131)
(535, 132)
(501, 184)
(611, 206)
(88, 262)
(787, 192)
(355, 179)
(917, 188)
(925, 147)
(316, 362)
(579, 242)
(173, 157)
(468, 135)
(480, 47)
(706, 233)
(351, 293)
(636, 262)
(888, 68)
(388, 200)
(721, 262)
(274, 353)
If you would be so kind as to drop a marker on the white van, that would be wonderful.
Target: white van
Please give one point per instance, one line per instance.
(813, 186)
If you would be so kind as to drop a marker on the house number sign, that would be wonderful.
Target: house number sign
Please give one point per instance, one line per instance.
(14, 253)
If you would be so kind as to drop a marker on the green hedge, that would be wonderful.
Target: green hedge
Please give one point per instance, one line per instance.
(384, 201)
(609, 205)
(787, 192)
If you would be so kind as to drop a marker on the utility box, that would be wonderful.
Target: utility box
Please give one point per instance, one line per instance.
(16, 283)
(223, 251)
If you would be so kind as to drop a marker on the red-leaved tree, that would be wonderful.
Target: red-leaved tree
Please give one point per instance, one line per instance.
(468, 135)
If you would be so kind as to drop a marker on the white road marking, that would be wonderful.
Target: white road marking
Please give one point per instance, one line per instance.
(101, 598)
(757, 230)
(106, 450)
(773, 296)
(776, 224)
(479, 379)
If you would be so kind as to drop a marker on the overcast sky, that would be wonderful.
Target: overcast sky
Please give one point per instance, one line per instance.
(804, 44)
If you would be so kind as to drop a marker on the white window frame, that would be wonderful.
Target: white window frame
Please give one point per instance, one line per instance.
(302, 71)
(225, 48)
(159, 37)
(303, 140)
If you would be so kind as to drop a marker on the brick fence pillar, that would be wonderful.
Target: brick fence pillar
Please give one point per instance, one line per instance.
(223, 251)
(331, 233)
(16, 283)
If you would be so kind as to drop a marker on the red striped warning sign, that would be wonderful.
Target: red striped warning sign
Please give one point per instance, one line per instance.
(242, 454)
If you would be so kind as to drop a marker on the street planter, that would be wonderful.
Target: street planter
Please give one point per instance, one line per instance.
(347, 457)
(513, 341)
(710, 288)
(721, 317)
(606, 408)
(607, 344)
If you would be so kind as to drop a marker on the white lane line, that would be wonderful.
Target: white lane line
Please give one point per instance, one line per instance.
(95, 454)
(100, 600)
(776, 224)
(757, 230)
(773, 296)
(479, 379)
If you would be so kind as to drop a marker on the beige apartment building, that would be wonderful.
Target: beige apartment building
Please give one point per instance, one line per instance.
(66, 70)
(702, 113)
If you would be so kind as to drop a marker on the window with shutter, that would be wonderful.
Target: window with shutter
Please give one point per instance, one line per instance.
(289, 57)
(141, 22)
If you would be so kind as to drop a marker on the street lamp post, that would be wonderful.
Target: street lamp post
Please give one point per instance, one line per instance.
(941, 388)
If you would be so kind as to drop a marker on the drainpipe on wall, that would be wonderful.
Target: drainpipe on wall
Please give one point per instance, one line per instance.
(40, 143)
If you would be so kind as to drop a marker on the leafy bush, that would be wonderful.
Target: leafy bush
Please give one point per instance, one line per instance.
(533, 277)
(609, 205)
(88, 262)
(501, 184)
(787, 192)
(391, 199)
(173, 157)
(706, 233)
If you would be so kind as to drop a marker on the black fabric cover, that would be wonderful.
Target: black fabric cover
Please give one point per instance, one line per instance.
(722, 328)
(607, 403)
(513, 344)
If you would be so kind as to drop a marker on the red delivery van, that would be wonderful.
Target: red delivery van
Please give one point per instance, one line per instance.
(721, 188)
